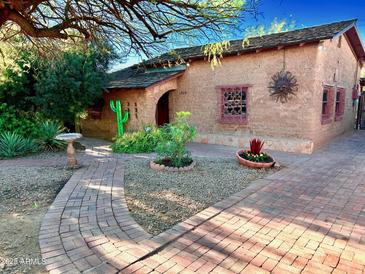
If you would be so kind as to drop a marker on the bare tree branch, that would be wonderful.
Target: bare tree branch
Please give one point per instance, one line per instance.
(132, 25)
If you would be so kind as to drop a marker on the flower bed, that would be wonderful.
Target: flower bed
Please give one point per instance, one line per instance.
(254, 157)
(166, 166)
(264, 161)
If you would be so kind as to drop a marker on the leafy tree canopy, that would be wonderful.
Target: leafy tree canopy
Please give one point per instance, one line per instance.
(275, 26)
(214, 51)
(60, 87)
(69, 85)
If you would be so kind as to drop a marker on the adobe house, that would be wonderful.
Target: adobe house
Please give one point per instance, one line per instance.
(233, 102)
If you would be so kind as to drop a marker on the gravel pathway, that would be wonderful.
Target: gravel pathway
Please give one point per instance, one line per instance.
(158, 200)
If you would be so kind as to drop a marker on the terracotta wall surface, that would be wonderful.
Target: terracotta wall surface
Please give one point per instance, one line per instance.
(337, 67)
(106, 127)
(266, 117)
(154, 93)
(141, 104)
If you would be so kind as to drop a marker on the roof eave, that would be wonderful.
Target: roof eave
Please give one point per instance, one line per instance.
(171, 76)
(345, 30)
(355, 42)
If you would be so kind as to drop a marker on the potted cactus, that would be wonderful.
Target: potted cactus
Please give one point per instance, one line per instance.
(255, 157)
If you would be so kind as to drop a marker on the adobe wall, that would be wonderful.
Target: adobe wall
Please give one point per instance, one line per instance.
(106, 127)
(141, 104)
(284, 126)
(337, 67)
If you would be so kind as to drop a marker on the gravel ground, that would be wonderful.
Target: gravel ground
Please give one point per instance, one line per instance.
(158, 200)
(25, 195)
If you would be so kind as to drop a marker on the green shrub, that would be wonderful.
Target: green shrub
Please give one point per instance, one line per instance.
(13, 144)
(144, 141)
(46, 135)
(172, 151)
(24, 123)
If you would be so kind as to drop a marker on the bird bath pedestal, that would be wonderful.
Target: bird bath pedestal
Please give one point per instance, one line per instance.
(70, 139)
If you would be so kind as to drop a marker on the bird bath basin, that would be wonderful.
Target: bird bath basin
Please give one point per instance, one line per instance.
(70, 139)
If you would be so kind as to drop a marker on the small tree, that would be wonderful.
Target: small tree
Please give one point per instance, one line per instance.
(68, 86)
(172, 150)
(17, 78)
(60, 87)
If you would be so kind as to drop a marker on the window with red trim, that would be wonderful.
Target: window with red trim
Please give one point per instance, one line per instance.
(340, 103)
(327, 105)
(233, 104)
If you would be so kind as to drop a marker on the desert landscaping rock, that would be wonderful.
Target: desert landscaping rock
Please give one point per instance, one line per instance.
(158, 200)
(26, 193)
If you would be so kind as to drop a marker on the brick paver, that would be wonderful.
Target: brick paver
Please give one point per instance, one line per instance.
(307, 218)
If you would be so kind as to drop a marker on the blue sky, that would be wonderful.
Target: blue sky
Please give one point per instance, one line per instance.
(304, 12)
(314, 12)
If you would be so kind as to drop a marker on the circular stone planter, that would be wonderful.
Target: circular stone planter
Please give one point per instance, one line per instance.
(251, 164)
(159, 167)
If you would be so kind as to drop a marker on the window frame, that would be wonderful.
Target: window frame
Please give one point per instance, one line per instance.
(230, 119)
(340, 110)
(328, 114)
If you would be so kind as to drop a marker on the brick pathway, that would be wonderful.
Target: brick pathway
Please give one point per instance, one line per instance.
(308, 218)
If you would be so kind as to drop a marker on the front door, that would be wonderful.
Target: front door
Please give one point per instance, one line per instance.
(162, 110)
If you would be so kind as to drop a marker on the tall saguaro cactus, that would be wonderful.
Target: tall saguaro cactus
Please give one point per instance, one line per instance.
(120, 118)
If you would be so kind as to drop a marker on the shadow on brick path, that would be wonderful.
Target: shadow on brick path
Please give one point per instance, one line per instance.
(307, 218)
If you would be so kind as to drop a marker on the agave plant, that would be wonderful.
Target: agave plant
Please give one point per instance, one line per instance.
(256, 146)
(46, 135)
(13, 144)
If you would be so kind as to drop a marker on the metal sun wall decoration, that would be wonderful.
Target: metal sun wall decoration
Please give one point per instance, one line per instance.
(282, 85)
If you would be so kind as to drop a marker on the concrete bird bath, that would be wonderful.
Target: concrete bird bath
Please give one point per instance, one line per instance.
(70, 139)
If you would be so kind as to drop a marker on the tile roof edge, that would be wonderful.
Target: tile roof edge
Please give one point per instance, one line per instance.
(352, 21)
(176, 73)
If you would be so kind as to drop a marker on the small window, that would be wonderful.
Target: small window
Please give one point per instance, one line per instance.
(96, 110)
(135, 110)
(129, 110)
(233, 104)
(340, 104)
(338, 101)
(327, 105)
(325, 102)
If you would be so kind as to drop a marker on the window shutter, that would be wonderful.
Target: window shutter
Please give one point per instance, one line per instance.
(342, 101)
(331, 101)
(328, 113)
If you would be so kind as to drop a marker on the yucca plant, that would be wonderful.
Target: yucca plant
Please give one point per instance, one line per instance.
(46, 135)
(256, 146)
(13, 144)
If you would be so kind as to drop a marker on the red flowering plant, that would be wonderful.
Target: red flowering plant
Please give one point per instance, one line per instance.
(256, 146)
(255, 153)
